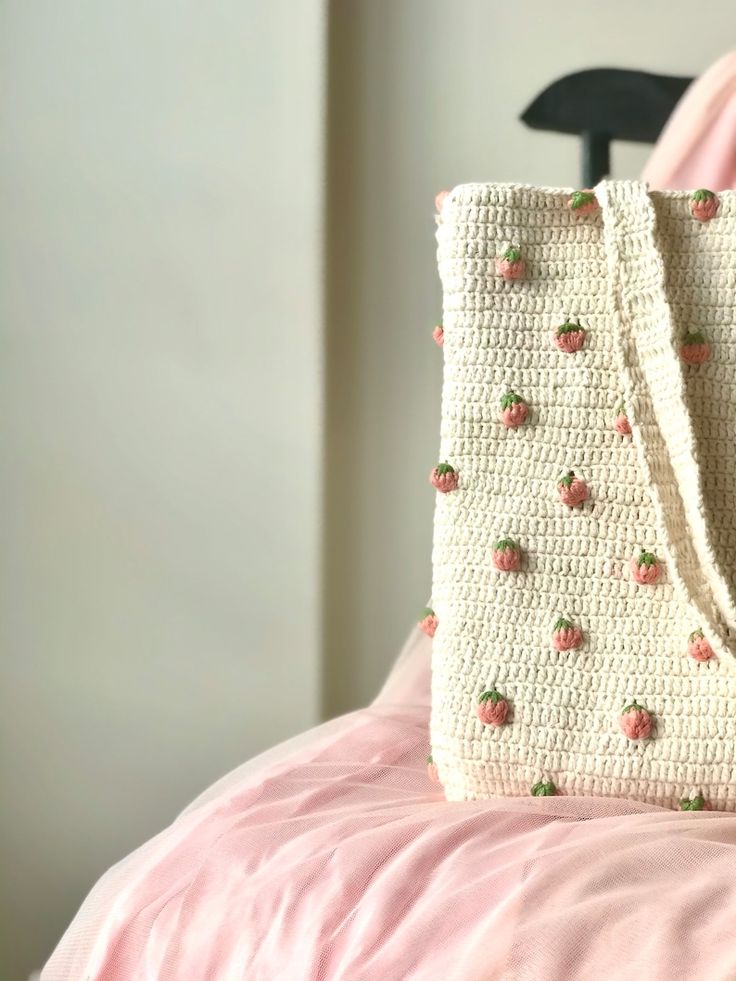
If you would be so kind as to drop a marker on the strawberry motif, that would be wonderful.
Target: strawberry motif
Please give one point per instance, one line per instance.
(569, 337)
(439, 201)
(444, 478)
(694, 348)
(506, 555)
(703, 204)
(492, 708)
(514, 410)
(583, 202)
(572, 490)
(635, 722)
(696, 803)
(645, 568)
(621, 423)
(439, 335)
(544, 789)
(428, 622)
(510, 265)
(698, 647)
(432, 770)
(566, 636)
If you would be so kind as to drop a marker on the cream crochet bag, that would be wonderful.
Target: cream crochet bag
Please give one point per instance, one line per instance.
(585, 532)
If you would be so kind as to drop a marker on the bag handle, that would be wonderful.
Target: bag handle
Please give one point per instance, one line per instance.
(661, 424)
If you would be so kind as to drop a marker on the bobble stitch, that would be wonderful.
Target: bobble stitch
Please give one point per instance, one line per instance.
(698, 647)
(432, 770)
(439, 335)
(694, 348)
(492, 708)
(703, 204)
(569, 337)
(572, 490)
(444, 478)
(621, 423)
(583, 202)
(439, 201)
(514, 410)
(544, 789)
(566, 636)
(645, 568)
(428, 622)
(696, 803)
(510, 265)
(506, 555)
(635, 721)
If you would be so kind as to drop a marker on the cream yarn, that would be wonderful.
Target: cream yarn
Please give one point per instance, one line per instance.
(638, 273)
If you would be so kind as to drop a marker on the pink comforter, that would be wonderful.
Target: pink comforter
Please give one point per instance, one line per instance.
(334, 857)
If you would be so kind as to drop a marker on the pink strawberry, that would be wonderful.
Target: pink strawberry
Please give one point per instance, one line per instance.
(506, 555)
(439, 335)
(569, 337)
(428, 622)
(698, 647)
(696, 803)
(694, 348)
(514, 410)
(439, 200)
(492, 708)
(645, 568)
(510, 265)
(703, 204)
(622, 424)
(572, 490)
(544, 789)
(566, 636)
(583, 202)
(432, 770)
(444, 478)
(635, 721)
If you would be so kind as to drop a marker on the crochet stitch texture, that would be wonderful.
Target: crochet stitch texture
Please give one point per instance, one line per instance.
(640, 273)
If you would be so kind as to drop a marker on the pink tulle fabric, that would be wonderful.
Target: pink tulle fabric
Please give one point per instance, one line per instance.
(334, 856)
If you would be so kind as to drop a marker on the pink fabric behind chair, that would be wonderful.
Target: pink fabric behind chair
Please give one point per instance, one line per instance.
(697, 147)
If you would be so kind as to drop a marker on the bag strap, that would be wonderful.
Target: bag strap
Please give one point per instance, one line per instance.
(654, 387)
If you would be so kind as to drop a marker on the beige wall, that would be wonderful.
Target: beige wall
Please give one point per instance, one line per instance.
(160, 405)
(425, 94)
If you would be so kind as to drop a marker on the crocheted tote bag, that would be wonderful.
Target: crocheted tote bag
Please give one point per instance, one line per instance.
(584, 557)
